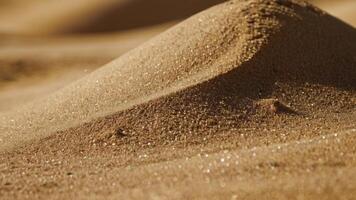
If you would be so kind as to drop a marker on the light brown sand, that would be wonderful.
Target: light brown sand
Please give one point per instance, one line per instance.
(193, 113)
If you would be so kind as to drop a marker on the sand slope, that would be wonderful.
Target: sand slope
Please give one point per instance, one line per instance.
(32, 67)
(242, 58)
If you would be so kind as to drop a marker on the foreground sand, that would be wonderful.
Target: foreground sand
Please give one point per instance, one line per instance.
(192, 113)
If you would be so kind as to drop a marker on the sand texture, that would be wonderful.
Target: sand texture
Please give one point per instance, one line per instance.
(248, 99)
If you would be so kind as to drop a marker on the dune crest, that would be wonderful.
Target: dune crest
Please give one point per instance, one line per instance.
(203, 75)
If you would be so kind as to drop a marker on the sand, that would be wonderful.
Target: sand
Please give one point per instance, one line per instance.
(92, 16)
(29, 62)
(342, 9)
(246, 100)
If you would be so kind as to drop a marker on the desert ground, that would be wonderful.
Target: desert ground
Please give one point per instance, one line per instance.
(194, 99)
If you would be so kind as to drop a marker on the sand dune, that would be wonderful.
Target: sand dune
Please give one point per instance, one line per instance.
(247, 99)
(226, 59)
(26, 58)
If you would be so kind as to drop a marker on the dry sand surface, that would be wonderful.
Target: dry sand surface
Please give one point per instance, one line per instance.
(248, 99)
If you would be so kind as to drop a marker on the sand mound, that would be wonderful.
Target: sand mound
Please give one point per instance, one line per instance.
(205, 75)
(88, 16)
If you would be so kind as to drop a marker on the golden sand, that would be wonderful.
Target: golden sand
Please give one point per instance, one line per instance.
(249, 99)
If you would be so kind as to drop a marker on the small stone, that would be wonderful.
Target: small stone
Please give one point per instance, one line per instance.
(274, 106)
(119, 133)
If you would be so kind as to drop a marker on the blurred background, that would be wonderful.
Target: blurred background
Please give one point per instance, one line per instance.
(47, 17)
(93, 16)
(47, 44)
